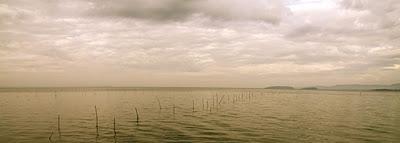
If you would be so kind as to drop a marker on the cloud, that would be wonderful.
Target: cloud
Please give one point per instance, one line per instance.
(193, 42)
(386, 12)
(12, 15)
(269, 11)
(393, 67)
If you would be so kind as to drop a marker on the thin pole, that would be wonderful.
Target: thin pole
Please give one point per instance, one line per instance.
(50, 136)
(217, 100)
(213, 102)
(115, 132)
(221, 100)
(159, 103)
(202, 102)
(97, 121)
(58, 125)
(207, 105)
(173, 109)
(137, 116)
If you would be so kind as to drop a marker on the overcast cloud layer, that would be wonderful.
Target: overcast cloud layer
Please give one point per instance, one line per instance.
(230, 43)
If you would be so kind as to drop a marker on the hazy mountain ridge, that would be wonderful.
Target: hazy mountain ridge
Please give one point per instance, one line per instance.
(376, 87)
(360, 87)
(280, 87)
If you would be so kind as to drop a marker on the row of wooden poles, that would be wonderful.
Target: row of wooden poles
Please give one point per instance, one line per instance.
(97, 124)
(218, 101)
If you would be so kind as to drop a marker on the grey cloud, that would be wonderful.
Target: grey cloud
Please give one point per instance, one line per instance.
(269, 11)
(375, 20)
(372, 5)
(10, 15)
(386, 11)
(206, 39)
(304, 30)
(147, 9)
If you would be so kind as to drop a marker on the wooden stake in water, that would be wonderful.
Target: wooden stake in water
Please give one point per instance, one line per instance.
(202, 102)
(213, 102)
(193, 105)
(50, 136)
(207, 105)
(221, 100)
(115, 132)
(217, 100)
(137, 116)
(97, 121)
(173, 108)
(159, 103)
(58, 126)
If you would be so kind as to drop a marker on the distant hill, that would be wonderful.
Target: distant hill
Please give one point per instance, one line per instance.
(361, 87)
(372, 87)
(309, 88)
(386, 90)
(280, 87)
(396, 85)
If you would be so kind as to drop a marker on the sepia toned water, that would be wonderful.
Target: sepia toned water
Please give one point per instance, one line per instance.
(236, 115)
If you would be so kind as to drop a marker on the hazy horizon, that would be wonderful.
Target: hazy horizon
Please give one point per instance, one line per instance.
(127, 86)
(192, 43)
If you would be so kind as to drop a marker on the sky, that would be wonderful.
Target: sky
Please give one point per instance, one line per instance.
(201, 43)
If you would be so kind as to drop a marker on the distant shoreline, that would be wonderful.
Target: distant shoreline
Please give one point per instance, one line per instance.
(126, 88)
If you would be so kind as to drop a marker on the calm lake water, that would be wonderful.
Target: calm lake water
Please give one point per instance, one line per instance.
(232, 115)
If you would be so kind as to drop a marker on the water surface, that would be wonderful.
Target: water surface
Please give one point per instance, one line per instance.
(232, 115)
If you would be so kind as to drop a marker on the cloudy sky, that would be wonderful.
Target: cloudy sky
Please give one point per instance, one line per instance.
(225, 43)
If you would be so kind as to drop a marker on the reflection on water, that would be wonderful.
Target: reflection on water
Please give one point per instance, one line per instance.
(198, 115)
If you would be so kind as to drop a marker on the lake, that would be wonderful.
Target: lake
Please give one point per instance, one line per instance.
(197, 115)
